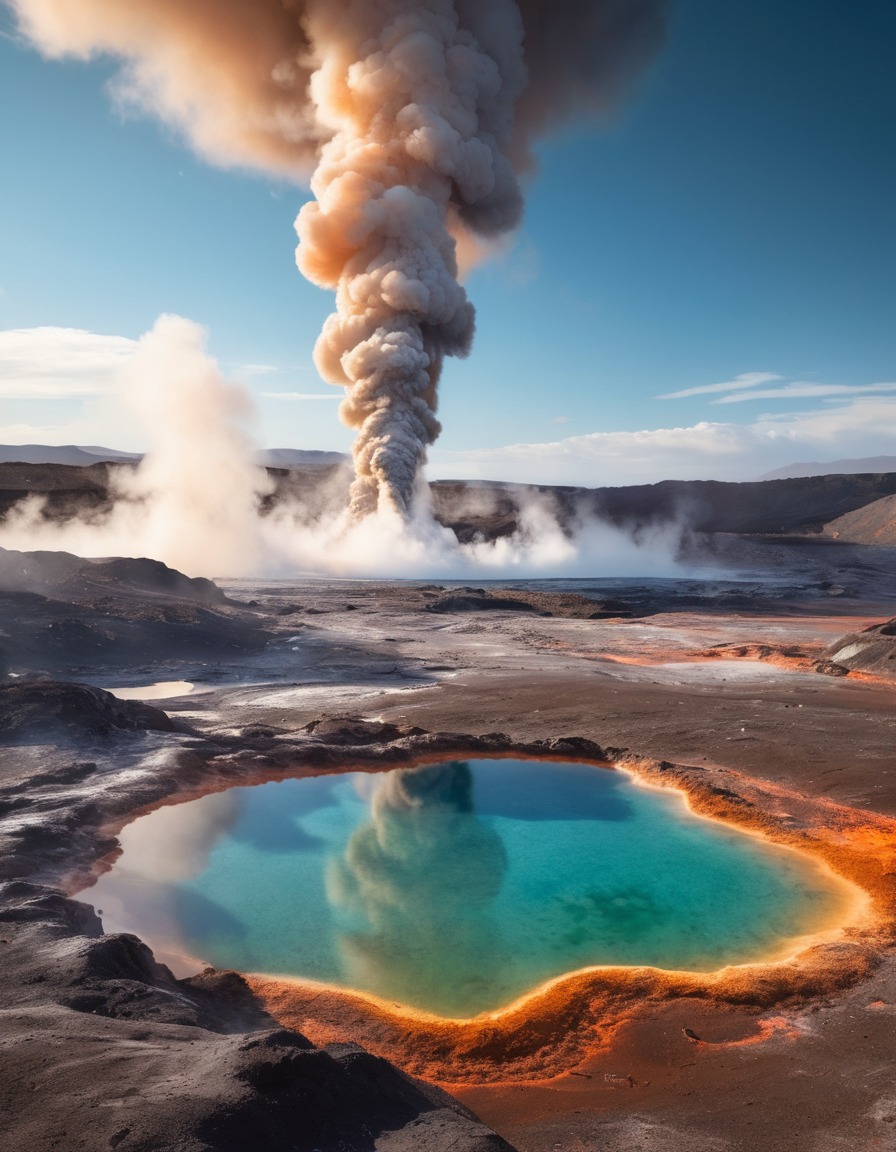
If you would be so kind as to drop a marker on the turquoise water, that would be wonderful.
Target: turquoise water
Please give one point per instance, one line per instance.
(456, 887)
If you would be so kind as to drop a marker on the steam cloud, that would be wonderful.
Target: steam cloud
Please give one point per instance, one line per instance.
(197, 500)
(193, 501)
(416, 118)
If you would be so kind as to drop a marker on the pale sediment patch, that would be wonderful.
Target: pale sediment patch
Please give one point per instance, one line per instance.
(324, 694)
(163, 690)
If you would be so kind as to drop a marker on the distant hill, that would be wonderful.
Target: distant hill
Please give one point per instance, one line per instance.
(491, 510)
(83, 456)
(62, 454)
(299, 458)
(862, 466)
(874, 523)
(801, 505)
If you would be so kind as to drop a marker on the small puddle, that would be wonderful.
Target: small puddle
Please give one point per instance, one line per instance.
(163, 690)
(457, 887)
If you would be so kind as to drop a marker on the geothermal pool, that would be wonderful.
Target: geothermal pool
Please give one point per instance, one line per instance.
(456, 887)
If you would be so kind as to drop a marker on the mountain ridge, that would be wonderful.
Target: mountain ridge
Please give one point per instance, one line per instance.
(861, 466)
(82, 456)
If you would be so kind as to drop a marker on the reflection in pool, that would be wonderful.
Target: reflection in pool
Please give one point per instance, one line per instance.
(456, 887)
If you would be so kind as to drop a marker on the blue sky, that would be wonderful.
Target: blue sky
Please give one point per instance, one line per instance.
(733, 229)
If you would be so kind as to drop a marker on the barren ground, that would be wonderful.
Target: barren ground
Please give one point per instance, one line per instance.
(729, 678)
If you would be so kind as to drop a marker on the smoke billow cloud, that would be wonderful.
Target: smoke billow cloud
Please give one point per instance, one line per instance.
(414, 120)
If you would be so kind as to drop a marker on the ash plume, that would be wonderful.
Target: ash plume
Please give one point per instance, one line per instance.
(415, 119)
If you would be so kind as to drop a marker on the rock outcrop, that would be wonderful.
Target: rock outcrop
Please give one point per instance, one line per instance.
(872, 650)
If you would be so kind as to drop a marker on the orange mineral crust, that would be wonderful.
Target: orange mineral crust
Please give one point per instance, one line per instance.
(560, 1028)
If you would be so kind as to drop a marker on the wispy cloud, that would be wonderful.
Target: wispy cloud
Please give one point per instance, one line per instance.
(749, 386)
(9, 32)
(60, 363)
(804, 389)
(745, 380)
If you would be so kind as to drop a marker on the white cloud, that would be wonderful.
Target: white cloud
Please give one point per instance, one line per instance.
(60, 363)
(864, 426)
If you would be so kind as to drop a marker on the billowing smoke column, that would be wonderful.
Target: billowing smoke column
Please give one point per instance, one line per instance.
(416, 117)
(421, 111)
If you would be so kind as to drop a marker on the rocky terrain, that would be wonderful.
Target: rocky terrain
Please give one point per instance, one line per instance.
(101, 1047)
(871, 650)
(62, 614)
(715, 683)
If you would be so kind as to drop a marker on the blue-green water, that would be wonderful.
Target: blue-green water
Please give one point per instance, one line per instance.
(457, 887)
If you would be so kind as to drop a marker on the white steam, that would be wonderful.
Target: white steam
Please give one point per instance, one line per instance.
(195, 502)
(388, 544)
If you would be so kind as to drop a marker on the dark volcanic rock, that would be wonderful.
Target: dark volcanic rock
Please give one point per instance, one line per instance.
(484, 603)
(77, 578)
(152, 576)
(38, 710)
(872, 650)
(491, 510)
(45, 571)
(351, 732)
(66, 490)
(150, 1063)
(60, 613)
(103, 1048)
(767, 506)
(564, 604)
(305, 1098)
